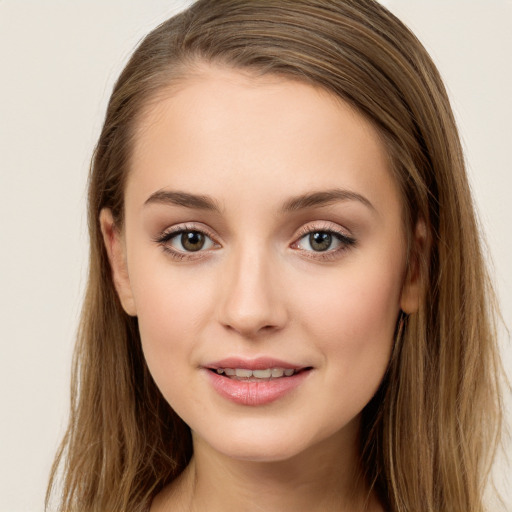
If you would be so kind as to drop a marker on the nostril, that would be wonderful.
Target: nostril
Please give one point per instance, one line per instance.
(251, 302)
(250, 328)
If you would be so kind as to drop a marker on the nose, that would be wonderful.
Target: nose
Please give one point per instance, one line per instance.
(253, 296)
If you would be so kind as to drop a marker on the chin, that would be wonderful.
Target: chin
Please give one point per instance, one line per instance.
(268, 443)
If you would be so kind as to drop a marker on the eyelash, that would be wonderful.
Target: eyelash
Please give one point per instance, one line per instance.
(346, 242)
(166, 236)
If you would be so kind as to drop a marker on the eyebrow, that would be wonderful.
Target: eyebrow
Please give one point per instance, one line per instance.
(308, 200)
(324, 198)
(198, 202)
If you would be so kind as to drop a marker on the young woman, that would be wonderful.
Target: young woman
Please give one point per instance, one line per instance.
(287, 306)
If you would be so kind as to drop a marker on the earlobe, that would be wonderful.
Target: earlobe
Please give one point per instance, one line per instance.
(112, 239)
(413, 288)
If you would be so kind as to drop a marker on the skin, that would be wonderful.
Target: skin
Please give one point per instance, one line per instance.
(258, 288)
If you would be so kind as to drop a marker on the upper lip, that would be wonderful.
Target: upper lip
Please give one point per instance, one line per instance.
(260, 363)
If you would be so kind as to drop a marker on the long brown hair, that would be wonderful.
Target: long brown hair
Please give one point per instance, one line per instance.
(429, 434)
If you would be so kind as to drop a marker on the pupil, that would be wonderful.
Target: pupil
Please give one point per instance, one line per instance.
(192, 240)
(320, 241)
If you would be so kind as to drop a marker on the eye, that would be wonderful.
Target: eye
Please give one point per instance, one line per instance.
(319, 241)
(184, 242)
(324, 242)
(190, 241)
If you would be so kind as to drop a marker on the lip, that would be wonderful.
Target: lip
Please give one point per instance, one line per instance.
(260, 363)
(250, 393)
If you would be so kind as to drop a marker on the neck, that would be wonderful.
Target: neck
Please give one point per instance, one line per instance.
(326, 477)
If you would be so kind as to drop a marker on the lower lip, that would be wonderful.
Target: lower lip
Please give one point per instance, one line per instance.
(252, 393)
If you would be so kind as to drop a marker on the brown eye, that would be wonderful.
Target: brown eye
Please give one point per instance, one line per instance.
(323, 242)
(320, 241)
(186, 241)
(192, 240)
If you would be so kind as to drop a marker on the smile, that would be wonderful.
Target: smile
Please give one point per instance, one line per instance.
(256, 375)
(255, 382)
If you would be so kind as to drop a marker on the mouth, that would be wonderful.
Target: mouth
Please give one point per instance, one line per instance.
(255, 382)
(260, 375)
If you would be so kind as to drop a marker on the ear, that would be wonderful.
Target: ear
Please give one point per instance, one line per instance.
(117, 258)
(413, 286)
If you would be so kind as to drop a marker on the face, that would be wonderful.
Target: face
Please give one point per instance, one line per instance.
(264, 255)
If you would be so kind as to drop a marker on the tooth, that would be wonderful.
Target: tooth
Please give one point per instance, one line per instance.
(220, 370)
(229, 371)
(242, 372)
(262, 374)
(289, 372)
(277, 372)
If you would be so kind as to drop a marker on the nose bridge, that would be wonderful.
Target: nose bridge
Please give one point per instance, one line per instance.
(252, 300)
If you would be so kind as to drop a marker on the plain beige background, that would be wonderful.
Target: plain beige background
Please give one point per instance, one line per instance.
(58, 61)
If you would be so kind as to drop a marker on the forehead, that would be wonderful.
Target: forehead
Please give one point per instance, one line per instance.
(220, 129)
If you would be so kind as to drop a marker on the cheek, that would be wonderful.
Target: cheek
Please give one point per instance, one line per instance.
(356, 302)
(171, 309)
(352, 323)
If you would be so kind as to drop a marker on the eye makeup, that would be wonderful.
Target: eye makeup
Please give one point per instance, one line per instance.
(317, 241)
(326, 241)
(195, 241)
